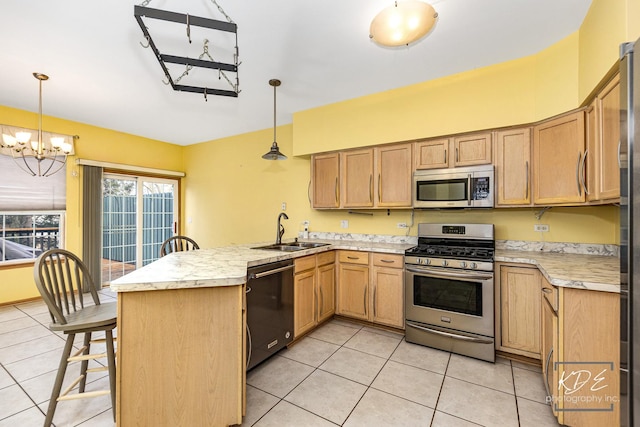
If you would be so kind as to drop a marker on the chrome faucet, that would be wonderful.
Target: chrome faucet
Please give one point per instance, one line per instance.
(280, 231)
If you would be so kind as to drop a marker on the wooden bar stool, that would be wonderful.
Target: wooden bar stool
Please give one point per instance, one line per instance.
(64, 282)
(176, 244)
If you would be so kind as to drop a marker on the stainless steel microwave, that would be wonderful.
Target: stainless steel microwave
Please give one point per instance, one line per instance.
(467, 187)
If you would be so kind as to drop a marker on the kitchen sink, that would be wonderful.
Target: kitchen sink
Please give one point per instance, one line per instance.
(292, 246)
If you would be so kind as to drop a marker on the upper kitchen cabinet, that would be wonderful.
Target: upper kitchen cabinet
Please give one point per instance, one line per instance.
(603, 145)
(513, 167)
(462, 150)
(431, 154)
(356, 172)
(393, 164)
(325, 180)
(376, 177)
(558, 160)
(472, 149)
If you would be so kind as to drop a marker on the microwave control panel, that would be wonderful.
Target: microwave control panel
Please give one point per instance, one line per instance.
(481, 188)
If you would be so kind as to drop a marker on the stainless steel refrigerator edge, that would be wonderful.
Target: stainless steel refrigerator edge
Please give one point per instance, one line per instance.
(629, 236)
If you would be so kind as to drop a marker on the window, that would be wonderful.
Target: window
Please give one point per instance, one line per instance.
(138, 214)
(25, 235)
(32, 212)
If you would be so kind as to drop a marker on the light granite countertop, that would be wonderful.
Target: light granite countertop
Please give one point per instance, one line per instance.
(226, 266)
(591, 272)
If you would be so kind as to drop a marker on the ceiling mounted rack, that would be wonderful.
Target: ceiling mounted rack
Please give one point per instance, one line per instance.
(141, 12)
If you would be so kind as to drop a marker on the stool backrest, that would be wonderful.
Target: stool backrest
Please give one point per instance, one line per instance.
(63, 279)
(176, 244)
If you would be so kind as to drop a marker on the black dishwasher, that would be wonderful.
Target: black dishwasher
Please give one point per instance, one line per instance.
(269, 310)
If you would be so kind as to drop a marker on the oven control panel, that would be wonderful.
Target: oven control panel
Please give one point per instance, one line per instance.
(449, 263)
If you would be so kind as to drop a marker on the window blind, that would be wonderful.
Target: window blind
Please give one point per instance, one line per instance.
(20, 191)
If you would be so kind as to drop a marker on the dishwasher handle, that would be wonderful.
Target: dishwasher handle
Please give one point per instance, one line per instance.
(270, 272)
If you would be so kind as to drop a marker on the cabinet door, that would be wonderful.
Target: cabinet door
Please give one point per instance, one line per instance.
(608, 105)
(592, 138)
(513, 166)
(520, 310)
(590, 340)
(326, 276)
(325, 180)
(431, 154)
(304, 316)
(558, 146)
(549, 352)
(353, 285)
(472, 149)
(387, 296)
(357, 178)
(393, 183)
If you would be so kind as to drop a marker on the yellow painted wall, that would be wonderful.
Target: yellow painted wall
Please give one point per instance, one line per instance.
(514, 92)
(16, 283)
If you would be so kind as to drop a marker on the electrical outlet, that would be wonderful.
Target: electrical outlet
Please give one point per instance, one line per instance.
(541, 227)
(284, 206)
(344, 223)
(402, 225)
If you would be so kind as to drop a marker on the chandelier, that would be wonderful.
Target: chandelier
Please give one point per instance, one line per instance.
(41, 157)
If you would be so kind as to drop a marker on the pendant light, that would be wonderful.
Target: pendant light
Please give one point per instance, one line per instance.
(274, 153)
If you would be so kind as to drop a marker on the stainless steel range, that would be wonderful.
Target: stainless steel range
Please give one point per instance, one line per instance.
(449, 289)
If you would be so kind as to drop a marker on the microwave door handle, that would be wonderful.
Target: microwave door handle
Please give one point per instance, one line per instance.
(447, 275)
(469, 190)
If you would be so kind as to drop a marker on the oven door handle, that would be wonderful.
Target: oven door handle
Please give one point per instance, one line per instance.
(450, 335)
(446, 275)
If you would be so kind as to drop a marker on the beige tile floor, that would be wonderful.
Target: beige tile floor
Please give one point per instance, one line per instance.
(341, 374)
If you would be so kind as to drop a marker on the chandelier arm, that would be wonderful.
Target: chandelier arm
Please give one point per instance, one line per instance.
(53, 162)
(26, 166)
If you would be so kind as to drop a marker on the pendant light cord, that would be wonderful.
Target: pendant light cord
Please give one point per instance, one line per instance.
(274, 113)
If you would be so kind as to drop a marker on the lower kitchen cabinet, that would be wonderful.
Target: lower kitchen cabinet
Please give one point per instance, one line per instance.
(580, 345)
(371, 287)
(313, 290)
(387, 297)
(353, 284)
(518, 310)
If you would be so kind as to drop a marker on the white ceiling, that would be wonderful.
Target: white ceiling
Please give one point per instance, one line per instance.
(101, 75)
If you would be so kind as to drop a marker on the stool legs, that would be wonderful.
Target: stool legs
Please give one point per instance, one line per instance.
(111, 361)
(85, 363)
(57, 386)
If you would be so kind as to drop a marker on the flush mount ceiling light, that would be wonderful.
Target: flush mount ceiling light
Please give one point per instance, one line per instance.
(274, 153)
(43, 157)
(402, 23)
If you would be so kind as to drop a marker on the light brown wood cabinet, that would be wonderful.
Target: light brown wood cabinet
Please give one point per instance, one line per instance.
(472, 149)
(387, 295)
(353, 284)
(558, 160)
(461, 150)
(431, 153)
(518, 310)
(325, 180)
(582, 372)
(371, 287)
(313, 291)
(513, 167)
(549, 341)
(603, 145)
(376, 177)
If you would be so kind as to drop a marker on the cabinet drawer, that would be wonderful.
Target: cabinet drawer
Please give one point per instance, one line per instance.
(388, 260)
(551, 295)
(304, 263)
(353, 257)
(325, 258)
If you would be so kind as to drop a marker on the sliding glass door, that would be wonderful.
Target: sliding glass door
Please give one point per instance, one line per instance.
(139, 213)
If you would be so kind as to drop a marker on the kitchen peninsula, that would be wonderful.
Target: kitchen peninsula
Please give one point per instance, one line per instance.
(181, 334)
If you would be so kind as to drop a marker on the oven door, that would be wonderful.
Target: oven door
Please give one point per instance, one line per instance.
(454, 299)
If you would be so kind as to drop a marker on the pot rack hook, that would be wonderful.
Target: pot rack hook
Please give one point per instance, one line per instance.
(148, 43)
(205, 95)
